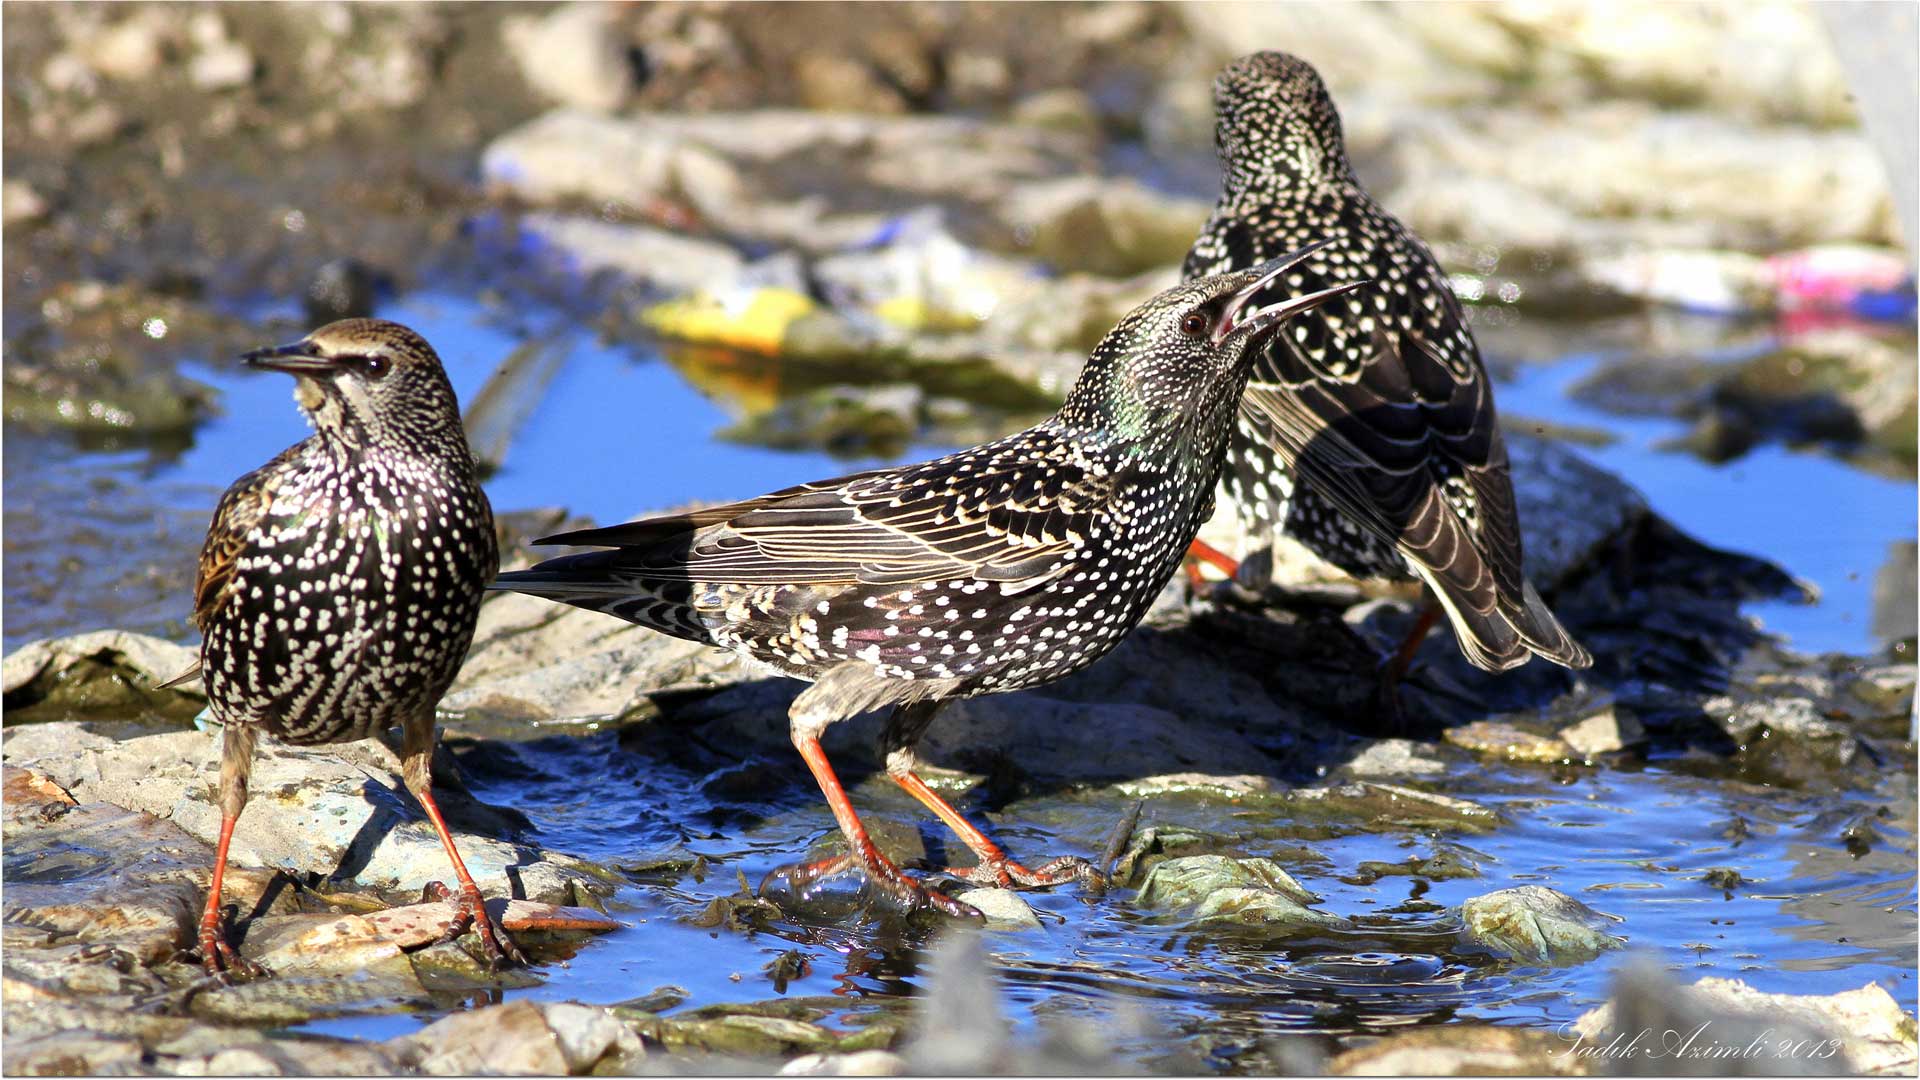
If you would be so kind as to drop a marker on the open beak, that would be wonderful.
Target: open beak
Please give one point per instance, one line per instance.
(1235, 317)
(299, 358)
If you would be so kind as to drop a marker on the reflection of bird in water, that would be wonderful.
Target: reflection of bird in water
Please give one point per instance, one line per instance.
(1368, 430)
(1001, 567)
(340, 582)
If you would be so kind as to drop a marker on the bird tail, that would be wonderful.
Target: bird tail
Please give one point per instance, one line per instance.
(1508, 634)
(593, 581)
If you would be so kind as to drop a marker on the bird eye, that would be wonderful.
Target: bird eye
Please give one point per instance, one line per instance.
(1194, 324)
(372, 367)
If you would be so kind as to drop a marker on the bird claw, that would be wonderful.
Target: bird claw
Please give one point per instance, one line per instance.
(1006, 874)
(884, 883)
(222, 963)
(498, 947)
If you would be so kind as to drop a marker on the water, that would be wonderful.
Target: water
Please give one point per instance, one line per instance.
(618, 431)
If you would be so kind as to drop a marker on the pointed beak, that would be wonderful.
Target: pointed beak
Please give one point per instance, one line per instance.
(1235, 317)
(299, 358)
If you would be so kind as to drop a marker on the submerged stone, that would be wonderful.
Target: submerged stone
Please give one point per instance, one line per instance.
(1004, 908)
(1186, 882)
(1535, 924)
(1496, 738)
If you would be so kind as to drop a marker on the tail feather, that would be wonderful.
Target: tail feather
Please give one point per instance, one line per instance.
(1507, 634)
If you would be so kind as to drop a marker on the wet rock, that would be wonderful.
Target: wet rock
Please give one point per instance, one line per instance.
(1392, 758)
(858, 1063)
(1501, 739)
(1391, 806)
(1462, 1050)
(1198, 784)
(1446, 864)
(1604, 732)
(315, 810)
(1186, 882)
(1220, 892)
(556, 1039)
(1738, 1030)
(1787, 738)
(72, 1054)
(1004, 908)
(574, 55)
(1537, 925)
(1064, 109)
(108, 672)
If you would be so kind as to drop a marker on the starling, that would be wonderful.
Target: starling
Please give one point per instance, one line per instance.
(1368, 430)
(1006, 566)
(340, 582)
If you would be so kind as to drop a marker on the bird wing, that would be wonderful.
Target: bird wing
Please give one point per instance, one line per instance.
(1004, 512)
(1407, 446)
(240, 511)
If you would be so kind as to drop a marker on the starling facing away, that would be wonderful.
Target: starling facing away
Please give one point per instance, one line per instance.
(340, 582)
(997, 568)
(1368, 431)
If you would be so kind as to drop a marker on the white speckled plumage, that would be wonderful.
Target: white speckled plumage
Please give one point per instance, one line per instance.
(1368, 431)
(1004, 566)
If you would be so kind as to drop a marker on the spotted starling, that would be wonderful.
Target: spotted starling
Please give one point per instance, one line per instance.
(340, 582)
(1001, 567)
(1368, 430)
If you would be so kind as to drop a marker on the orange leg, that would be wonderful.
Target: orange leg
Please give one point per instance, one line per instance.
(994, 868)
(1396, 667)
(499, 948)
(1206, 552)
(216, 955)
(882, 874)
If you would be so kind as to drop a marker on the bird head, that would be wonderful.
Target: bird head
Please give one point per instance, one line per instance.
(370, 382)
(1180, 361)
(1276, 126)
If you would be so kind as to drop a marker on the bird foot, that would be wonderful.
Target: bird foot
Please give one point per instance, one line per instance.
(222, 962)
(495, 943)
(885, 883)
(1007, 874)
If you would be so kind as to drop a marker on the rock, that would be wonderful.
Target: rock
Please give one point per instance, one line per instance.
(1391, 806)
(21, 203)
(1230, 787)
(315, 810)
(1537, 925)
(221, 66)
(641, 253)
(128, 50)
(1790, 738)
(72, 1054)
(1604, 733)
(1732, 1029)
(104, 672)
(1063, 109)
(1219, 892)
(1186, 882)
(573, 55)
(1447, 864)
(1102, 226)
(1391, 758)
(1501, 739)
(521, 1037)
(1004, 909)
(858, 1063)
(840, 83)
(1462, 1050)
